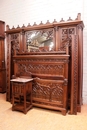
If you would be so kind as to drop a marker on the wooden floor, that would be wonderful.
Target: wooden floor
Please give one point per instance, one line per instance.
(39, 119)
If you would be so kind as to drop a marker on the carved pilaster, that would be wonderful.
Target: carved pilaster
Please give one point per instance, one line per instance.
(74, 74)
(8, 67)
(22, 41)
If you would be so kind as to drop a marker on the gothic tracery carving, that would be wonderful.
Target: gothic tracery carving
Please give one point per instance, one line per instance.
(41, 69)
(15, 43)
(48, 90)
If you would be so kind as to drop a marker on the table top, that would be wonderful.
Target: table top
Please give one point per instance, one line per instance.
(21, 80)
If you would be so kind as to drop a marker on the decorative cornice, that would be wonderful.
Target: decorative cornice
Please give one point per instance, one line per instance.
(44, 26)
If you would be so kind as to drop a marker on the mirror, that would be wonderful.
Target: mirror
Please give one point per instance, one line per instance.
(40, 40)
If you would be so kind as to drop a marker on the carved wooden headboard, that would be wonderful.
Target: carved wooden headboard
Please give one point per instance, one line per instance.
(42, 66)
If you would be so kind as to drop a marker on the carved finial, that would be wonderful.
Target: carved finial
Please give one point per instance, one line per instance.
(69, 19)
(47, 22)
(78, 16)
(28, 25)
(7, 27)
(41, 23)
(13, 27)
(23, 26)
(34, 24)
(18, 26)
(62, 20)
(54, 21)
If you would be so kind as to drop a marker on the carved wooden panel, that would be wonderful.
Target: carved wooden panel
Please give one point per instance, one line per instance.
(66, 32)
(15, 43)
(66, 37)
(43, 67)
(50, 90)
(50, 94)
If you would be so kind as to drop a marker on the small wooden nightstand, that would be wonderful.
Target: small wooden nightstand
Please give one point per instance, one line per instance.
(21, 94)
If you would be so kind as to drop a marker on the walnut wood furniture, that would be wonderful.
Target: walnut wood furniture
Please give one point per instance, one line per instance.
(53, 54)
(50, 79)
(2, 58)
(22, 90)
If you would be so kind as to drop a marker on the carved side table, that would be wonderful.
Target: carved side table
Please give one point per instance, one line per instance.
(21, 90)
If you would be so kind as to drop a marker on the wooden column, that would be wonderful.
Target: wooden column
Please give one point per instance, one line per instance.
(74, 74)
(80, 66)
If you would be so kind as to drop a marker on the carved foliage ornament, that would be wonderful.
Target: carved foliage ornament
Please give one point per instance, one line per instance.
(14, 43)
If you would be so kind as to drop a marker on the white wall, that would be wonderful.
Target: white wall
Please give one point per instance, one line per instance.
(30, 11)
(21, 12)
(85, 52)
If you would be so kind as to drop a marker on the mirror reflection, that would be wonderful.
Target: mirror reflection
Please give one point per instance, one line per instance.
(40, 40)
